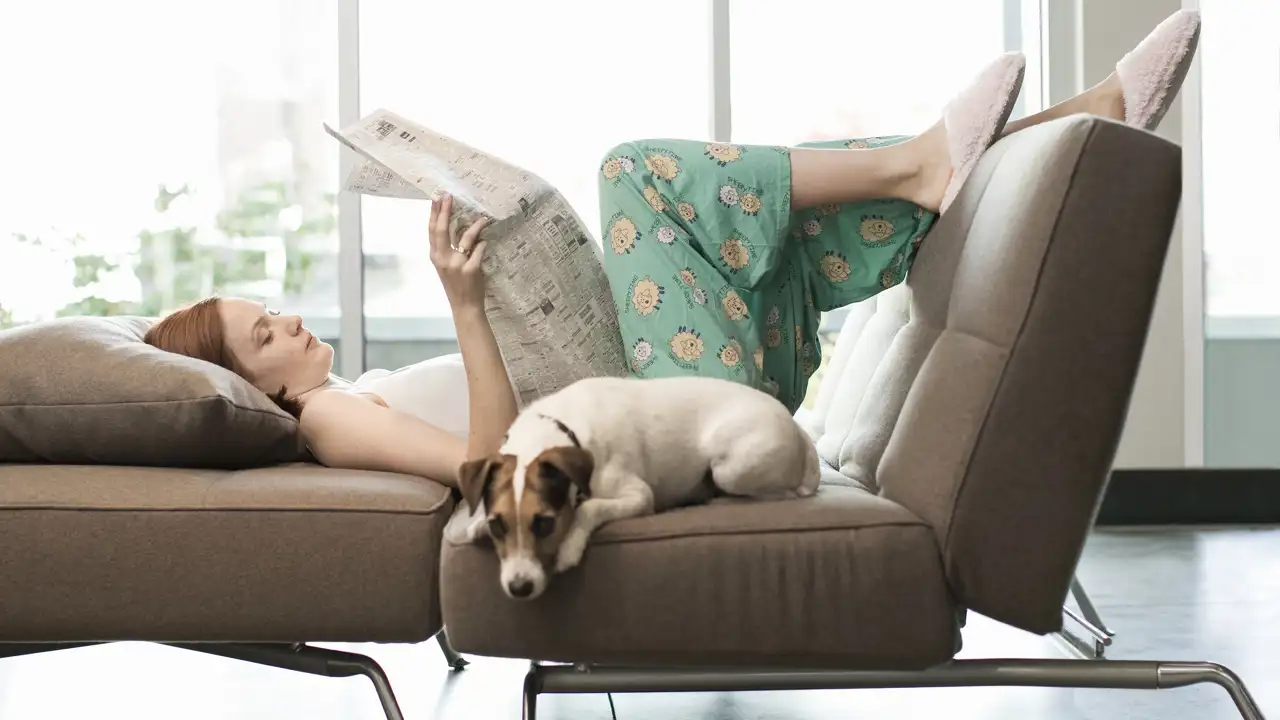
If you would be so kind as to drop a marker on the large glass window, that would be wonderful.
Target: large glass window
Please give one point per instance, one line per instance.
(1240, 149)
(188, 157)
(548, 87)
(1240, 124)
(807, 70)
(828, 69)
(158, 152)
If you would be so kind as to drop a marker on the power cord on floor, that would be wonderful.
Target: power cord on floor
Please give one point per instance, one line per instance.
(612, 711)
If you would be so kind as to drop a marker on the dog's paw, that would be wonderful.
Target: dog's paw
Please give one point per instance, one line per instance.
(572, 548)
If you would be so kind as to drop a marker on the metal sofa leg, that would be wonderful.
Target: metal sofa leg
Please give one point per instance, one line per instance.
(1087, 608)
(451, 656)
(1175, 675)
(1100, 636)
(1100, 674)
(304, 658)
(299, 657)
(532, 687)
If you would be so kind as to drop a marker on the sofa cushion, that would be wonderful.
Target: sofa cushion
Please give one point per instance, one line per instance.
(89, 390)
(843, 579)
(292, 553)
(843, 411)
(994, 410)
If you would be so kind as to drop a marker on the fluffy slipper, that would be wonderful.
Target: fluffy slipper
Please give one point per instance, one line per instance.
(1152, 73)
(976, 117)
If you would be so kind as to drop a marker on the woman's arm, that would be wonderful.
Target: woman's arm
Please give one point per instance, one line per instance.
(490, 398)
(345, 430)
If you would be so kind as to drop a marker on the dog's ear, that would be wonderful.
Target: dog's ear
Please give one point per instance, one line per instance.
(570, 466)
(474, 478)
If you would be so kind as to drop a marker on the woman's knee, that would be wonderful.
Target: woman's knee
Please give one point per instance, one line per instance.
(620, 161)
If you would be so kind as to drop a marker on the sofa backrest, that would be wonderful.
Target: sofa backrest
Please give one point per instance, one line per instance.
(988, 393)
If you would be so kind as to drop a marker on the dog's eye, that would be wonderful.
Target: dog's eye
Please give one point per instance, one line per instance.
(497, 528)
(543, 525)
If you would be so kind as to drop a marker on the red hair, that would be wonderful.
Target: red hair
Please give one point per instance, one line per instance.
(197, 331)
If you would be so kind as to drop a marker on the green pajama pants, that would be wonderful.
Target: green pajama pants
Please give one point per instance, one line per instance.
(713, 272)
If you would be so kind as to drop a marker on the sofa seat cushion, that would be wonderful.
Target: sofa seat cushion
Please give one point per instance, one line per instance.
(843, 579)
(293, 552)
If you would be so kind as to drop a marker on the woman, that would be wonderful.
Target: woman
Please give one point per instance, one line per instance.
(721, 258)
(410, 421)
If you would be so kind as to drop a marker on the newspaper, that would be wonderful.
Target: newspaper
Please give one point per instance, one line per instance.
(547, 296)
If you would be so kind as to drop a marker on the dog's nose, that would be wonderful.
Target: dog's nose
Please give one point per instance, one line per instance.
(520, 588)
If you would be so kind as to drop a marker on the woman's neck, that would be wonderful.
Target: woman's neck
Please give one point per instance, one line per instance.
(332, 382)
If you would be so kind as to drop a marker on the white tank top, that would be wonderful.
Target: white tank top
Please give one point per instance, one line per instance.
(434, 390)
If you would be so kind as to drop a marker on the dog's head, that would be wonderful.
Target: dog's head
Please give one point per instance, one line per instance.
(530, 499)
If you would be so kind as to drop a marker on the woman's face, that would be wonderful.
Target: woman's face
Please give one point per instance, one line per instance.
(274, 350)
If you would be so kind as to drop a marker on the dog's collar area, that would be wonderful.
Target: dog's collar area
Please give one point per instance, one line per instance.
(573, 437)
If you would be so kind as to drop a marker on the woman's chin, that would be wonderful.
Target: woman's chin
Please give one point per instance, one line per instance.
(323, 353)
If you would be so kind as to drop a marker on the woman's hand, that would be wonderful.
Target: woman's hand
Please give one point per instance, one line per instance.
(490, 396)
(457, 257)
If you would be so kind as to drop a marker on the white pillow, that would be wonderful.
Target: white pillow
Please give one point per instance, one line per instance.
(814, 421)
(861, 347)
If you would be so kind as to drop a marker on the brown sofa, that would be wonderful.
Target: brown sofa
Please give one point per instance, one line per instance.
(970, 423)
(148, 496)
(968, 419)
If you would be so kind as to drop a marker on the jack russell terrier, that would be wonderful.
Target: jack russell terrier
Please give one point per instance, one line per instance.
(604, 449)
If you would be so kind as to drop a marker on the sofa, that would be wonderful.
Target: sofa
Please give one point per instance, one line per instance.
(967, 423)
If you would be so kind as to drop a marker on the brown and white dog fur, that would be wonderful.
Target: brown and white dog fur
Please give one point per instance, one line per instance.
(605, 449)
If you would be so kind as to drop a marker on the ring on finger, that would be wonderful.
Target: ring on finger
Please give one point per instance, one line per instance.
(465, 252)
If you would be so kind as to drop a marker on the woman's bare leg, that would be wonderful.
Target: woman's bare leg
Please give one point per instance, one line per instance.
(1105, 99)
(922, 170)
(917, 170)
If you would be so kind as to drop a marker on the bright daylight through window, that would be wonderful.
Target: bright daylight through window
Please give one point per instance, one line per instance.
(1240, 125)
(591, 80)
(161, 160)
(188, 157)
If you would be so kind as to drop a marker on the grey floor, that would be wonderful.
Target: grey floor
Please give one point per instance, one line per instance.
(1181, 594)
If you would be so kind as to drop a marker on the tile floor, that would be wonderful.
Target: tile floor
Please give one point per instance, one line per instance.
(1177, 594)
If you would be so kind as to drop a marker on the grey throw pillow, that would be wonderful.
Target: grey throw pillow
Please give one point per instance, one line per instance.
(89, 390)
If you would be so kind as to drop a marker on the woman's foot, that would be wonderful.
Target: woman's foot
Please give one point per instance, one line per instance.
(1144, 83)
(1106, 99)
(974, 119)
(1151, 74)
(928, 169)
(925, 182)
(943, 156)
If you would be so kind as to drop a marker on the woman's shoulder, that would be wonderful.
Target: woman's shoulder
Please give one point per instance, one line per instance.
(337, 401)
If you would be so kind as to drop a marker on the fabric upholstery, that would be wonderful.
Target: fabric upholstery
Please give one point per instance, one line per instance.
(846, 579)
(855, 415)
(291, 553)
(88, 390)
(993, 405)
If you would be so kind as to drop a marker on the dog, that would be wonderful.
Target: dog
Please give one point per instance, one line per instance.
(604, 449)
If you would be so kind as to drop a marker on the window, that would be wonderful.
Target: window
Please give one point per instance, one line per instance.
(553, 101)
(189, 157)
(1240, 126)
(808, 70)
(828, 69)
(161, 151)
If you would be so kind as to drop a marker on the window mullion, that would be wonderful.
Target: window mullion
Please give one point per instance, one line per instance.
(351, 335)
(721, 107)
